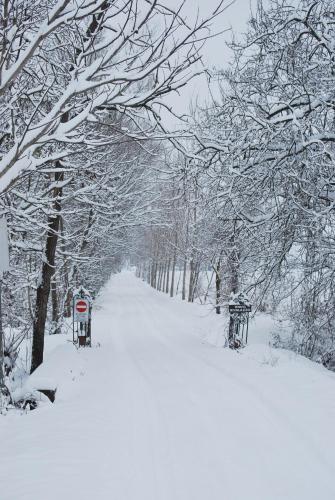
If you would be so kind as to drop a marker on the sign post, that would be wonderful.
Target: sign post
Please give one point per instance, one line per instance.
(82, 308)
(239, 310)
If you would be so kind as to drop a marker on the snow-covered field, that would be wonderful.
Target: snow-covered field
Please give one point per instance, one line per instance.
(157, 412)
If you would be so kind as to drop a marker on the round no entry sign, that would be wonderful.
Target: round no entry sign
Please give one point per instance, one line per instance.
(81, 306)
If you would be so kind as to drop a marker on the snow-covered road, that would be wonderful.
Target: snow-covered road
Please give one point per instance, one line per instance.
(157, 413)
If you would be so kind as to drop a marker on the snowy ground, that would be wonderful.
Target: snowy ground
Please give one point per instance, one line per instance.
(159, 413)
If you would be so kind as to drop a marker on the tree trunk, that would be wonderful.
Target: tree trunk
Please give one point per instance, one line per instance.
(234, 268)
(195, 280)
(54, 303)
(155, 275)
(183, 293)
(218, 287)
(167, 276)
(160, 276)
(174, 263)
(191, 281)
(2, 378)
(164, 276)
(43, 289)
(151, 276)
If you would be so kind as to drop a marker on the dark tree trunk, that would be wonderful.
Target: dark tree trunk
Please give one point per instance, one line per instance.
(66, 306)
(150, 270)
(167, 276)
(183, 293)
(234, 270)
(160, 277)
(155, 280)
(174, 262)
(196, 279)
(55, 310)
(43, 289)
(68, 303)
(164, 276)
(218, 287)
(191, 281)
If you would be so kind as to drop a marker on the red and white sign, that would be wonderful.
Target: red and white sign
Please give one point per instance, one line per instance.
(81, 306)
(81, 310)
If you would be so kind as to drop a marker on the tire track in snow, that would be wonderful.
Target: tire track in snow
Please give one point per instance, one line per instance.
(159, 310)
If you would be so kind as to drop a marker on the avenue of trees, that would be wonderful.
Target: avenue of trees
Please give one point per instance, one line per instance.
(252, 200)
(241, 200)
(81, 89)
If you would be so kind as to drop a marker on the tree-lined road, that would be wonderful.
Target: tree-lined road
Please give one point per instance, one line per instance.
(157, 414)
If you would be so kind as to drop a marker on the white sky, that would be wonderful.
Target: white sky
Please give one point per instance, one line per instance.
(215, 52)
(234, 17)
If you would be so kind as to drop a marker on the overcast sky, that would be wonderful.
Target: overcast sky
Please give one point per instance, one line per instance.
(215, 52)
(235, 17)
